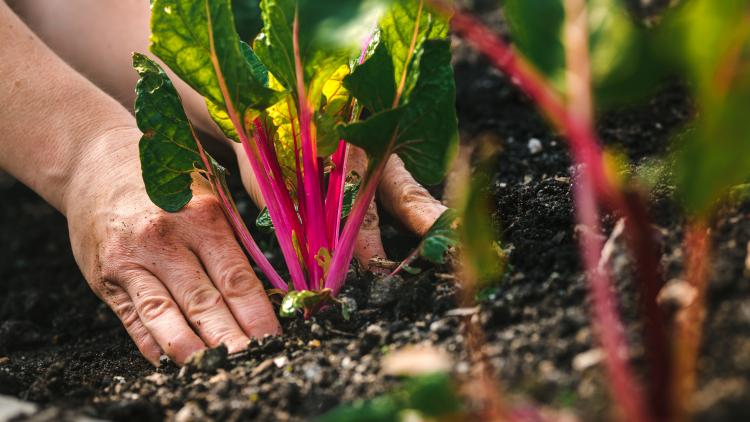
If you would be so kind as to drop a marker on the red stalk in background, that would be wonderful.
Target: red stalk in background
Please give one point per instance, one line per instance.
(593, 183)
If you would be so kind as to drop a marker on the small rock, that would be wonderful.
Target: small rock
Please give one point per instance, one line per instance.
(416, 360)
(676, 294)
(4, 360)
(11, 408)
(441, 329)
(349, 302)
(271, 345)
(157, 378)
(373, 336)
(316, 330)
(535, 146)
(164, 360)
(585, 360)
(384, 291)
(207, 360)
(190, 412)
(280, 361)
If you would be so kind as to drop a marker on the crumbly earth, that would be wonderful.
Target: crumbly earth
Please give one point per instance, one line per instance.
(61, 348)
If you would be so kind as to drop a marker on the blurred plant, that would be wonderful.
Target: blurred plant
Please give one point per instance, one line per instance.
(572, 54)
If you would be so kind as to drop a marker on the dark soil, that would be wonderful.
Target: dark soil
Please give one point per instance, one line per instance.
(66, 350)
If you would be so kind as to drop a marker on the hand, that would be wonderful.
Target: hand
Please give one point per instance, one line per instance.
(178, 281)
(399, 193)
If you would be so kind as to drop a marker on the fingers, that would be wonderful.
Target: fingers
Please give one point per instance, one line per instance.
(201, 303)
(234, 278)
(247, 176)
(368, 244)
(161, 316)
(405, 198)
(119, 301)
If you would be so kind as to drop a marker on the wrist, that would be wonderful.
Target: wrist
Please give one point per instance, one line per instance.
(103, 170)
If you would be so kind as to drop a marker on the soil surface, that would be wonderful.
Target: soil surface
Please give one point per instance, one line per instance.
(63, 349)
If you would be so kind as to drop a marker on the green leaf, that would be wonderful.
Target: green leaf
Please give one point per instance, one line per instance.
(198, 41)
(442, 236)
(373, 81)
(536, 28)
(247, 18)
(423, 131)
(624, 66)
(168, 149)
(304, 300)
(433, 396)
(407, 23)
(350, 193)
(329, 35)
(709, 42)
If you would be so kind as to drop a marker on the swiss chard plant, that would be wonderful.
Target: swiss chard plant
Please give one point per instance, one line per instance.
(319, 78)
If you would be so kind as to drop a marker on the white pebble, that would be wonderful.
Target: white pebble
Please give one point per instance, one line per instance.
(535, 146)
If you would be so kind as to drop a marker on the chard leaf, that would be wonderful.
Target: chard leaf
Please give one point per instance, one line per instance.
(350, 192)
(307, 301)
(623, 63)
(423, 130)
(407, 21)
(198, 41)
(710, 43)
(442, 236)
(431, 397)
(329, 35)
(373, 81)
(168, 150)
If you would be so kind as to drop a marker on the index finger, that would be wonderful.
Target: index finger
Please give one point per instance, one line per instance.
(406, 199)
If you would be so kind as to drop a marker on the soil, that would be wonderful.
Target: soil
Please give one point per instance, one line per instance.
(67, 352)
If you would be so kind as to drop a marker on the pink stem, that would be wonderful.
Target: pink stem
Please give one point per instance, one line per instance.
(315, 224)
(278, 217)
(239, 227)
(271, 164)
(335, 195)
(345, 250)
(607, 324)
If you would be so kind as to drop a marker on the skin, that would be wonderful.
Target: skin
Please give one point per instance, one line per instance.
(178, 281)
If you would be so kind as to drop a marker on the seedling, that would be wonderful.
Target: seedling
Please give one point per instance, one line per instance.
(295, 100)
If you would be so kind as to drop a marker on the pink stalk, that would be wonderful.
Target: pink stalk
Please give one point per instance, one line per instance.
(335, 195)
(279, 219)
(345, 251)
(271, 164)
(284, 234)
(607, 323)
(315, 218)
(239, 227)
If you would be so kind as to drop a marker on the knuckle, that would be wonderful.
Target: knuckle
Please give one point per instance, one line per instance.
(156, 227)
(206, 208)
(414, 193)
(153, 307)
(126, 312)
(371, 220)
(200, 300)
(237, 280)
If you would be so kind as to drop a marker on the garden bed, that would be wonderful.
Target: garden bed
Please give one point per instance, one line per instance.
(60, 347)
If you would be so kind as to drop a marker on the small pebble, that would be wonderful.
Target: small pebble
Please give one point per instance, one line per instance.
(535, 146)
(4, 360)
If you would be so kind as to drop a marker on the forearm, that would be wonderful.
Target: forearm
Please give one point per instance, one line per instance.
(52, 118)
(115, 29)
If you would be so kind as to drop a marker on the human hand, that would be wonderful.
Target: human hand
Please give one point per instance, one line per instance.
(399, 193)
(178, 281)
